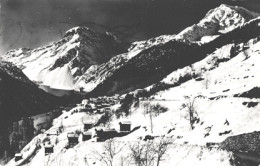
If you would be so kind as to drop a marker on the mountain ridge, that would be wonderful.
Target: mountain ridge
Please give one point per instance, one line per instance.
(79, 49)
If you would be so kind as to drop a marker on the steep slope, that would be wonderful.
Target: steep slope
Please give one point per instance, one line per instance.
(19, 97)
(216, 92)
(217, 81)
(59, 64)
(154, 60)
(219, 114)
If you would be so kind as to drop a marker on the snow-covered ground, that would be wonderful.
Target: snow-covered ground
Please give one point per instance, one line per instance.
(220, 115)
(213, 86)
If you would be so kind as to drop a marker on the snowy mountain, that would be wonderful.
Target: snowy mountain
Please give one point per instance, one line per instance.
(59, 64)
(187, 102)
(149, 61)
(85, 60)
(217, 21)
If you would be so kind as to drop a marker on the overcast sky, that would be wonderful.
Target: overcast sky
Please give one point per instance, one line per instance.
(32, 23)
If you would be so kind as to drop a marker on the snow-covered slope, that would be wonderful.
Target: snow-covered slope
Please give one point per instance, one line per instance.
(217, 21)
(218, 81)
(85, 60)
(148, 62)
(59, 64)
(219, 110)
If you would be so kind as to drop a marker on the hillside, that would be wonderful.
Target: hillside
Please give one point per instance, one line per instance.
(19, 97)
(170, 100)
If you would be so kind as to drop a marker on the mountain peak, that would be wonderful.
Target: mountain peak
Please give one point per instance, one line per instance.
(86, 32)
(78, 50)
(227, 12)
(217, 21)
(79, 30)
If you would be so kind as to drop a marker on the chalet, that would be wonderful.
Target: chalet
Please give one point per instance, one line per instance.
(53, 132)
(48, 149)
(86, 136)
(105, 134)
(110, 133)
(246, 46)
(99, 139)
(86, 108)
(73, 139)
(87, 125)
(125, 126)
(17, 157)
(99, 133)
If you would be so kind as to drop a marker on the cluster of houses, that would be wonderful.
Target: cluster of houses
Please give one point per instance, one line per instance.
(100, 136)
(97, 105)
(92, 105)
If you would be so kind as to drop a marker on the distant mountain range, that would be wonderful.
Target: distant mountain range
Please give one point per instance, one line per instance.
(87, 61)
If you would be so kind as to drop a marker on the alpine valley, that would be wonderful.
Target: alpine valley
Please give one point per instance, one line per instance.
(190, 98)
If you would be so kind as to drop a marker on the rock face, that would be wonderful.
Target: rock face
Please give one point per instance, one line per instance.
(248, 142)
(59, 64)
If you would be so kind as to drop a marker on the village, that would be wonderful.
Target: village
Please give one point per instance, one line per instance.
(89, 130)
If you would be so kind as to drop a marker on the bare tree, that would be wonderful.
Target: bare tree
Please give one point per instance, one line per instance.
(192, 113)
(151, 112)
(125, 160)
(142, 154)
(160, 148)
(136, 152)
(47, 160)
(151, 120)
(111, 149)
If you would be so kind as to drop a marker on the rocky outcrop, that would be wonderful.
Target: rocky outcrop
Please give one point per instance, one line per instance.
(248, 142)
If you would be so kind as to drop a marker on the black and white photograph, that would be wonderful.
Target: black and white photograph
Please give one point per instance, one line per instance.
(129, 82)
